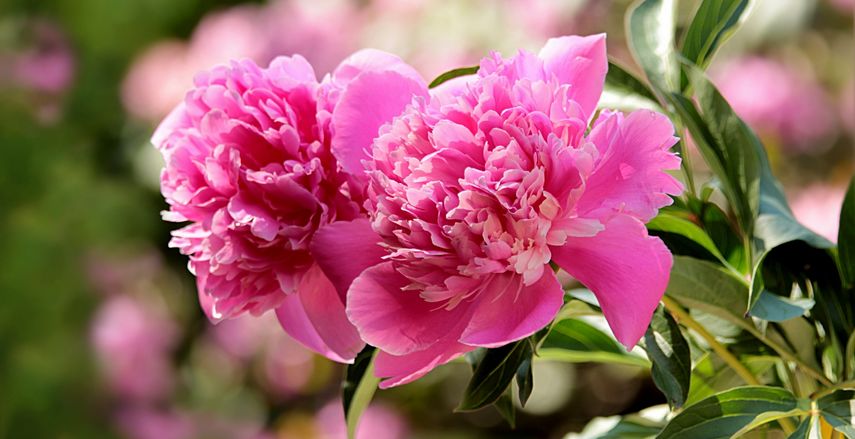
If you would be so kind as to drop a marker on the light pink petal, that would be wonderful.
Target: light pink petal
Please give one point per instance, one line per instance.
(398, 321)
(580, 62)
(373, 60)
(625, 268)
(629, 177)
(407, 368)
(512, 311)
(344, 249)
(369, 101)
(176, 119)
(315, 317)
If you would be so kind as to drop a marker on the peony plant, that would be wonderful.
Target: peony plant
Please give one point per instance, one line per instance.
(397, 226)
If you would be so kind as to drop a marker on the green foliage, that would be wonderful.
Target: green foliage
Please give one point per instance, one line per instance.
(838, 410)
(669, 352)
(358, 388)
(574, 340)
(846, 236)
(650, 34)
(714, 21)
(494, 370)
(454, 73)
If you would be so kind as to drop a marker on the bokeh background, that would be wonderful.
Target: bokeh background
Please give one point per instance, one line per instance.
(100, 333)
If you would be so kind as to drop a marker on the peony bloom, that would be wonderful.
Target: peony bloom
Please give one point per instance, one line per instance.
(250, 164)
(475, 190)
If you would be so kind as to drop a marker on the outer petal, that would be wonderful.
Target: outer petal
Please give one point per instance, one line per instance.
(629, 177)
(315, 317)
(625, 268)
(344, 249)
(369, 101)
(410, 367)
(515, 312)
(580, 62)
(176, 119)
(395, 320)
(373, 60)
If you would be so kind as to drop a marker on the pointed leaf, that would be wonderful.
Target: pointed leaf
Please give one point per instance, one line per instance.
(575, 341)
(725, 414)
(451, 74)
(650, 30)
(668, 223)
(525, 380)
(774, 308)
(493, 374)
(624, 91)
(707, 287)
(714, 22)
(669, 352)
(838, 409)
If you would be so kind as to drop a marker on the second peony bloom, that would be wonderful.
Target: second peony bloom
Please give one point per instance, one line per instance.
(476, 187)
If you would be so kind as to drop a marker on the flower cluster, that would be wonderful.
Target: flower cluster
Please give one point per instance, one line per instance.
(366, 208)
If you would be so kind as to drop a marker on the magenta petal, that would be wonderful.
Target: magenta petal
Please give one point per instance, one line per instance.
(625, 268)
(344, 249)
(398, 321)
(508, 311)
(407, 368)
(630, 176)
(315, 317)
(176, 119)
(580, 62)
(369, 101)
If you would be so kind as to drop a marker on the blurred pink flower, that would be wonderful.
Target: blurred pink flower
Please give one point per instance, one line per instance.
(776, 99)
(140, 422)
(844, 5)
(133, 341)
(475, 190)
(250, 162)
(378, 422)
(158, 79)
(44, 64)
(847, 107)
(818, 207)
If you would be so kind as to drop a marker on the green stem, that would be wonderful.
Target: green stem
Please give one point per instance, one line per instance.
(783, 352)
(683, 317)
(831, 389)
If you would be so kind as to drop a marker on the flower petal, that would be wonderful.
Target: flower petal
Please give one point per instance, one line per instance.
(407, 368)
(315, 317)
(395, 320)
(373, 60)
(625, 268)
(369, 101)
(629, 177)
(344, 249)
(513, 311)
(580, 62)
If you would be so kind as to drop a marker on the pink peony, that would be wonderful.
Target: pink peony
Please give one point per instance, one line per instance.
(378, 422)
(818, 207)
(475, 190)
(249, 162)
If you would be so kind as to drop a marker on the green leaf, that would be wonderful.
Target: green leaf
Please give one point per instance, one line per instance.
(725, 235)
(525, 380)
(358, 388)
(846, 236)
(728, 413)
(669, 352)
(614, 427)
(493, 374)
(713, 23)
(650, 31)
(774, 308)
(575, 341)
(451, 74)
(711, 375)
(708, 287)
(505, 406)
(668, 223)
(623, 90)
(803, 431)
(838, 409)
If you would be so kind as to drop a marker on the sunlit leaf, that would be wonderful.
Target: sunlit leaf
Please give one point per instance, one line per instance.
(575, 341)
(358, 388)
(650, 31)
(669, 353)
(714, 22)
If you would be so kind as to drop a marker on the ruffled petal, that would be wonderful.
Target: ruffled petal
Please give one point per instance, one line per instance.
(630, 175)
(315, 317)
(625, 268)
(370, 100)
(344, 249)
(395, 320)
(509, 311)
(580, 62)
(403, 369)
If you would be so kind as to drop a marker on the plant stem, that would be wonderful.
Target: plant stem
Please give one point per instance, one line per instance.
(829, 390)
(683, 317)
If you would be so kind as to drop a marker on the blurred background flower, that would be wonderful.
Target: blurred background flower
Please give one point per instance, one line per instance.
(100, 332)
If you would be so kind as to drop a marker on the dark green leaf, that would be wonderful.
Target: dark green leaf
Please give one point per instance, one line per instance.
(358, 388)
(838, 409)
(650, 31)
(713, 23)
(725, 414)
(673, 225)
(629, 92)
(804, 429)
(724, 234)
(846, 236)
(575, 341)
(627, 427)
(707, 286)
(493, 374)
(451, 74)
(711, 375)
(669, 352)
(775, 308)
(525, 380)
(505, 406)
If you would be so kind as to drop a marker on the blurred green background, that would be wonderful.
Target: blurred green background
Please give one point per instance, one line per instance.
(100, 333)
